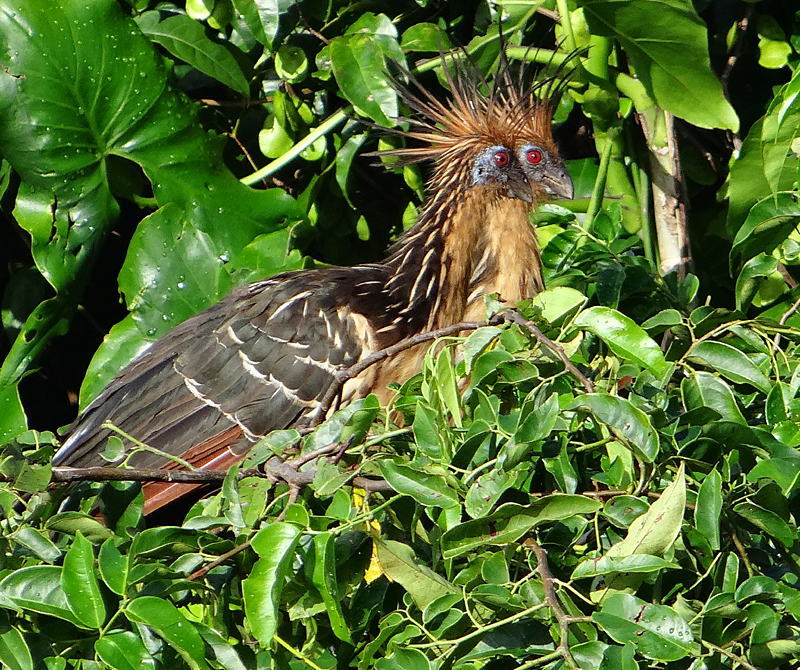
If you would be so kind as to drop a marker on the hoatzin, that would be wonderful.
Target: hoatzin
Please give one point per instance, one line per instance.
(262, 358)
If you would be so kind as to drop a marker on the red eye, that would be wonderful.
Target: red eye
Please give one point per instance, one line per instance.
(501, 158)
(534, 156)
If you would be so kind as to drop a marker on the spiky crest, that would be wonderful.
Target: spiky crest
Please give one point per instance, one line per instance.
(450, 132)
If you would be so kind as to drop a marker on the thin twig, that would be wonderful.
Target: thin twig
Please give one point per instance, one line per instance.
(219, 560)
(515, 317)
(551, 599)
(784, 318)
(346, 374)
(725, 652)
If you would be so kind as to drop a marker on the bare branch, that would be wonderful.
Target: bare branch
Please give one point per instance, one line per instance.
(515, 317)
(551, 600)
(353, 371)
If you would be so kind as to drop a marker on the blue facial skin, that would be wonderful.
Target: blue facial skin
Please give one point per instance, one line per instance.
(540, 168)
(497, 164)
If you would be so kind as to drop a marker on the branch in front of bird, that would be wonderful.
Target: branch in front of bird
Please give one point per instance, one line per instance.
(515, 317)
(334, 392)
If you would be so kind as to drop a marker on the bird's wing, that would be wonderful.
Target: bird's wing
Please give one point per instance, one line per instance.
(257, 361)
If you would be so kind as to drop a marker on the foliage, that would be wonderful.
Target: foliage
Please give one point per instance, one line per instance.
(666, 500)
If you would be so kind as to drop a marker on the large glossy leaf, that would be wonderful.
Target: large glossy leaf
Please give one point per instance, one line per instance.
(358, 59)
(768, 224)
(767, 520)
(512, 521)
(12, 415)
(709, 508)
(38, 589)
(606, 565)
(398, 561)
(704, 390)
(667, 45)
(122, 650)
(262, 589)
(752, 275)
(168, 622)
(186, 39)
(657, 529)
(80, 584)
(764, 168)
(623, 336)
(13, 649)
(657, 631)
(731, 363)
(323, 576)
(427, 489)
(627, 422)
(86, 70)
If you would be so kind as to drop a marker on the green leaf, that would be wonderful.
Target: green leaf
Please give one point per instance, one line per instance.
(425, 37)
(783, 471)
(80, 584)
(627, 422)
(113, 567)
(73, 522)
(12, 415)
(324, 580)
(767, 521)
(41, 545)
(426, 431)
(605, 565)
(705, 390)
(426, 489)
(656, 630)
(477, 342)
(511, 521)
(123, 650)
(486, 490)
(622, 511)
(358, 60)
(558, 303)
(275, 546)
(38, 588)
(186, 39)
(730, 362)
(66, 127)
(169, 624)
(13, 649)
(709, 508)
(186, 262)
(623, 337)
(667, 44)
(767, 225)
(224, 653)
(344, 160)
(750, 279)
(657, 529)
(399, 562)
(759, 587)
(666, 318)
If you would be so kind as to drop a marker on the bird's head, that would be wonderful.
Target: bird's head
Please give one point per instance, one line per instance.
(527, 171)
(501, 139)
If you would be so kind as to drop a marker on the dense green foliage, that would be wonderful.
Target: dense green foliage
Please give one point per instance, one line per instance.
(133, 136)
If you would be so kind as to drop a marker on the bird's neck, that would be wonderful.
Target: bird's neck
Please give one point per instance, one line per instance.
(479, 243)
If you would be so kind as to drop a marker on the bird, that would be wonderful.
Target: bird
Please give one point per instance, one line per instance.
(262, 358)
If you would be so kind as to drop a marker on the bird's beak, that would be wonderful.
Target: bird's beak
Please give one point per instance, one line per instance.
(557, 181)
(519, 187)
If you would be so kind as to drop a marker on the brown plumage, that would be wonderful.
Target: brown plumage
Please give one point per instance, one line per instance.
(263, 357)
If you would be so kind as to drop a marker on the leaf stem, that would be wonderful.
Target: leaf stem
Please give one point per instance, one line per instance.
(600, 183)
(320, 131)
(296, 653)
